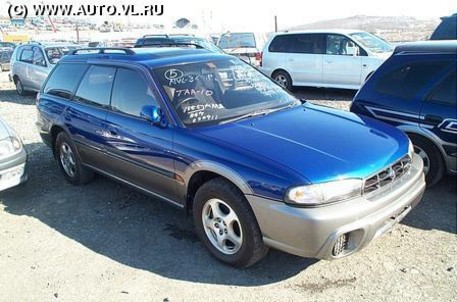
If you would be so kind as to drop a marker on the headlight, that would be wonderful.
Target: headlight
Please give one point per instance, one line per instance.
(410, 149)
(9, 146)
(318, 194)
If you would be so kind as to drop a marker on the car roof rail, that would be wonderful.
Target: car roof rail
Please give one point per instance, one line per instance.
(185, 35)
(101, 50)
(156, 36)
(170, 44)
(31, 42)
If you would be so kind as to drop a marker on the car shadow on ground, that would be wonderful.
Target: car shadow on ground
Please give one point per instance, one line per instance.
(329, 94)
(12, 96)
(438, 208)
(130, 228)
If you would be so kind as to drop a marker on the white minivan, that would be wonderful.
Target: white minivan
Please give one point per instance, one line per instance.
(323, 58)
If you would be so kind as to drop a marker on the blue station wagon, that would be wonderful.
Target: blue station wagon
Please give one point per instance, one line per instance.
(416, 91)
(209, 133)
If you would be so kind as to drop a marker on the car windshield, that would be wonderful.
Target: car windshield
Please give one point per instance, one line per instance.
(372, 42)
(240, 40)
(220, 91)
(55, 53)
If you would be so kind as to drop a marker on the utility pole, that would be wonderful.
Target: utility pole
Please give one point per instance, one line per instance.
(77, 32)
(276, 24)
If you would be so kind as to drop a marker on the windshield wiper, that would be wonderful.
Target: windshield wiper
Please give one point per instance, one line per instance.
(244, 116)
(256, 113)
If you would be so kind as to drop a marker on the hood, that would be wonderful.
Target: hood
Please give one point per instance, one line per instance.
(319, 143)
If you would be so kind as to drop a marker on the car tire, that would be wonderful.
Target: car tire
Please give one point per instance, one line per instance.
(431, 156)
(70, 162)
(19, 87)
(283, 79)
(226, 224)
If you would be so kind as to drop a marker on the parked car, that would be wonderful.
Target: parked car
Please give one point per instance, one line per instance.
(446, 30)
(209, 133)
(415, 90)
(176, 40)
(97, 44)
(5, 56)
(13, 158)
(323, 58)
(8, 44)
(245, 45)
(32, 62)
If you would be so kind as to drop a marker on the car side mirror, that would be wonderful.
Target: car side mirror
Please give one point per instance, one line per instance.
(154, 114)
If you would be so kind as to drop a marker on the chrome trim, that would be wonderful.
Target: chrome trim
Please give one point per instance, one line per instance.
(385, 177)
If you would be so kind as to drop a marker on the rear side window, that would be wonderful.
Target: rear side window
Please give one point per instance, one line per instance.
(445, 92)
(131, 92)
(407, 80)
(26, 55)
(297, 43)
(95, 88)
(64, 79)
(38, 58)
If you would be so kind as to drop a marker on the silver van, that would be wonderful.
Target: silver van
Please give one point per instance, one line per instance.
(323, 58)
(32, 62)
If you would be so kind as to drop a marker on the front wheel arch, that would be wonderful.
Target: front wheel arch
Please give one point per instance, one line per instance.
(289, 86)
(236, 219)
(434, 162)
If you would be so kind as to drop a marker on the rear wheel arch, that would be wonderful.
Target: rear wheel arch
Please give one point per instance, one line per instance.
(55, 130)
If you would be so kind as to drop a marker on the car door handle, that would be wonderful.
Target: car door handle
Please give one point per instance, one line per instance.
(433, 119)
(329, 61)
(112, 130)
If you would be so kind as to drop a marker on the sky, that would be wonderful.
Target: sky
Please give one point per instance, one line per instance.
(244, 14)
(256, 15)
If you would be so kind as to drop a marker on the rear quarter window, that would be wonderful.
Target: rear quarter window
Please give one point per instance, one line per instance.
(405, 81)
(26, 56)
(64, 79)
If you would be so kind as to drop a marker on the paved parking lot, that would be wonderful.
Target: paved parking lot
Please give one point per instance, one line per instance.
(104, 241)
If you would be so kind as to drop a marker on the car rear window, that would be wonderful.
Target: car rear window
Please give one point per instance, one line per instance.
(63, 80)
(240, 40)
(407, 80)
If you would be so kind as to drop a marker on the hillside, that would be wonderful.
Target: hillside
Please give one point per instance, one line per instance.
(393, 29)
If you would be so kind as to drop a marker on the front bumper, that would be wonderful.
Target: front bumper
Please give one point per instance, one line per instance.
(314, 232)
(13, 170)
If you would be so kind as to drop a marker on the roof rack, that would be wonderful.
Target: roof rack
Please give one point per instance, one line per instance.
(102, 50)
(170, 44)
(156, 36)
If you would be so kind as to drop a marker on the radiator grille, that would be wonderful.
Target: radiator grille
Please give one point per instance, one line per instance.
(387, 176)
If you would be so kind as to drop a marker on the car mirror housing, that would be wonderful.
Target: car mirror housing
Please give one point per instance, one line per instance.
(154, 114)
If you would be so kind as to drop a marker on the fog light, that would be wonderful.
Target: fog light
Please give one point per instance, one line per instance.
(341, 245)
